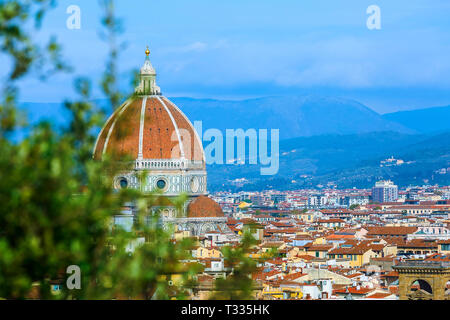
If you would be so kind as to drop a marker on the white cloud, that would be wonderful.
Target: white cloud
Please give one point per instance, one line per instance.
(401, 58)
(197, 46)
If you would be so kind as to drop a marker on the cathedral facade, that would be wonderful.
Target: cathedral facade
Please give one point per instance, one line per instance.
(157, 139)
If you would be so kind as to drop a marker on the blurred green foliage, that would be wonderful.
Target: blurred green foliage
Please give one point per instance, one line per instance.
(57, 203)
(239, 285)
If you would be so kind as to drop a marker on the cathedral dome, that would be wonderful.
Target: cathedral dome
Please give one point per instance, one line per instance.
(149, 127)
(203, 207)
(153, 134)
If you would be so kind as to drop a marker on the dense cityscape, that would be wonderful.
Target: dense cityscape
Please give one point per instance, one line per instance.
(337, 244)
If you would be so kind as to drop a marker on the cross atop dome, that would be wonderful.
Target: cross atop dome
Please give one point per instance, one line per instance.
(147, 84)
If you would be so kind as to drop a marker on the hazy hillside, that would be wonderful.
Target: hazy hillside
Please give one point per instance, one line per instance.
(294, 116)
(346, 160)
(423, 120)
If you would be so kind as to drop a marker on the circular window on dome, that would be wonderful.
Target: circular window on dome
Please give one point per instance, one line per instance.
(121, 183)
(161, 184)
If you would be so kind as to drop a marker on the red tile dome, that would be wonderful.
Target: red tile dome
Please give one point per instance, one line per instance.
(203, 207)
(149, 127)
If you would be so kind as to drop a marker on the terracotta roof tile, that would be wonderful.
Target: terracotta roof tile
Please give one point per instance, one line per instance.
(120, 133)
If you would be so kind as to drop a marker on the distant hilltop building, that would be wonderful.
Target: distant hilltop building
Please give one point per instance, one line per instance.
(384, 191)
(443, 171)
(390, 162)
(152, 135)
(239, 182)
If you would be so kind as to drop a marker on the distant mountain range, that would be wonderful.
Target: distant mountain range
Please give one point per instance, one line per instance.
(323, 140)
(428, 120)
(294, 116)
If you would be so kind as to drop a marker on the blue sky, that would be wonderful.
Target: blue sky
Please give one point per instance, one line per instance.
(244, 48)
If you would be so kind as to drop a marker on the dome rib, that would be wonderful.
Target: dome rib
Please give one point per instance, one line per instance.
(101, 139)
(123, 139)
(184, 122)
(141, 127)
(158, 128)
(180, 143)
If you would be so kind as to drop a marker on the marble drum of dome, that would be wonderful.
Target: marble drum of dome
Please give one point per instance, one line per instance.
(152, 131)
